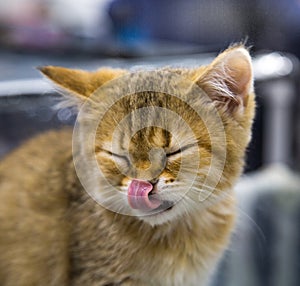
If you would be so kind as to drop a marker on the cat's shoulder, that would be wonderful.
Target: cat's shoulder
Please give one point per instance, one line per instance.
(46, 146)
(41, 162)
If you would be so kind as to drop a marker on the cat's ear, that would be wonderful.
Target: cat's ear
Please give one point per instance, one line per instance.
(228, 80)
(78, 82)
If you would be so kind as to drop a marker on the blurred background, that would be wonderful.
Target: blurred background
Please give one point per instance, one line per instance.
(150, 33)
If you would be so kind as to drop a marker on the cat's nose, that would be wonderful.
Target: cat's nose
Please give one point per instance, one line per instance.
(148, 164)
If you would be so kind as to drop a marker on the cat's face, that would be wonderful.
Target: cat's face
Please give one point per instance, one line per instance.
(154, 156)
(166, 156)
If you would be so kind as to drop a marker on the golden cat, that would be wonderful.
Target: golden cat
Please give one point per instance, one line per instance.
(174, 219)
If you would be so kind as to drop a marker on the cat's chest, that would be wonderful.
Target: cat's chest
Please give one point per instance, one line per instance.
(176, 267)
(106, 252)
(113, 261)
(172, 263)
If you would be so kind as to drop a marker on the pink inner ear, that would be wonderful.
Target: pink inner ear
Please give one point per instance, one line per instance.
(240, 75)
(138, 196)
(229, 78)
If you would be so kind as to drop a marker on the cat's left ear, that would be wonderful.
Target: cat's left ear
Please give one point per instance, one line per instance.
(228, 80)
(79, 83)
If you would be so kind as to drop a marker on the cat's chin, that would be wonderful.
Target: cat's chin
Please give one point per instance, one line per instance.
(160, 215)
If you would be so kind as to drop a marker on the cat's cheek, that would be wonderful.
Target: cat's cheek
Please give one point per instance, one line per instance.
(110, 171)
(172, 170)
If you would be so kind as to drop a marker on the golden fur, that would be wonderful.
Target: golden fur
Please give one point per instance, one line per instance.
(53, 233)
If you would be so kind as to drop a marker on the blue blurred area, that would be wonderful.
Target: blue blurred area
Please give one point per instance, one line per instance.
(212, 25)
(143, 27)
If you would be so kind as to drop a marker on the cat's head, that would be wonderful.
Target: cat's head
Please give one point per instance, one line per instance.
(168, 142)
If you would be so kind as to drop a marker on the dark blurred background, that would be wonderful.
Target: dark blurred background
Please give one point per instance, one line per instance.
(142, 27)
(149, 33)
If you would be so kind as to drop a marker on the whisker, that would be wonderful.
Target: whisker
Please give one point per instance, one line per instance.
(252, 222)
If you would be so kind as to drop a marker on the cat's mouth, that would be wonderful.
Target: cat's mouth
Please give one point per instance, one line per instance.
(142, 197)
(152, 203)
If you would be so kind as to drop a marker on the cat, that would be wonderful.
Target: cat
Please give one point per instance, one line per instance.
(168, 225)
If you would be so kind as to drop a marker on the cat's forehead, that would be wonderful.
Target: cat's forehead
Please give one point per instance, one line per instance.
(149, 108)
(150, 119)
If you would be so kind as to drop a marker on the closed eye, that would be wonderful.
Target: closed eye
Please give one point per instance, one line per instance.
(178, 151)
(114, 154)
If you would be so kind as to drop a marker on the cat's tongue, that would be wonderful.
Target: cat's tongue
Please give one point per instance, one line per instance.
(139, 198)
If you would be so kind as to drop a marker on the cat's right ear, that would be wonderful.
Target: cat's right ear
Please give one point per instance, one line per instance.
(228, 80)
(79, 83)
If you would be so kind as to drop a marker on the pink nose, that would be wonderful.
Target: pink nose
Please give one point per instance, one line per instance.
(139, 198)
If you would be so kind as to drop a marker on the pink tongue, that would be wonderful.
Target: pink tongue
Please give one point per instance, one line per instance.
(138, 196)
